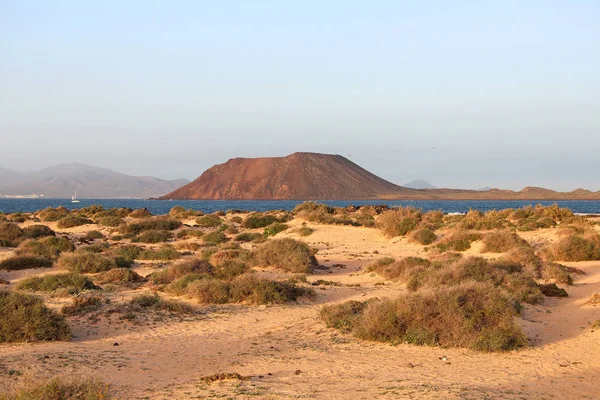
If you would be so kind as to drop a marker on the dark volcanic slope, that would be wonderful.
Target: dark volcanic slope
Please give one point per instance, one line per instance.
(298, 176)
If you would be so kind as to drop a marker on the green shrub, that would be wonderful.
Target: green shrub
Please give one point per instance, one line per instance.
(236, 219)
(84, 262)
(304, 231)
(37, 231)
(575, 248)
(25, 318)
(120, 276)
(154, 224)
(48, 247)
(53, 214)
(189, 233)
(249, 237)
(173, 272)
(128, 252)
(94, 235)
(254, 221)
(423, 236)
(71, 221)
(112, 221)
(153, 302)
(475, 316)
(215, 238)
(140, 213)
(71, 282)
(24, 262)
(287, 254)
(153, 237)
(274, 229)
(209, 221)
(400, 221)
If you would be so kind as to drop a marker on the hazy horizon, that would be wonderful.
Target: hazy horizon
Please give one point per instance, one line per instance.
(508, 93)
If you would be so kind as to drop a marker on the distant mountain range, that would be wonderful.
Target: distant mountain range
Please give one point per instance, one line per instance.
(61, 181)
(419, 184)
(314, 176)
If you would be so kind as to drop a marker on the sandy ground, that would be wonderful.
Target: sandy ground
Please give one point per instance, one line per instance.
(288, 353)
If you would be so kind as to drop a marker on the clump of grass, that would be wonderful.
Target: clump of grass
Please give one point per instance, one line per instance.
(37, 231)
(501, 241)
(215, 238)
(287, 254)
(24, 262)
(166, 252)
(305, 231)
(209, 221)
(48, 247)
(85, 262)
(82, 305)
(72, 220)
(70, 283)
(25, 318)
(458, 241)
(473, 315)
(153, 237)
(424, 236)
(61, 389)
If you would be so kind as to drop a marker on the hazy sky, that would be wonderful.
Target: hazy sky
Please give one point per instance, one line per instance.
(507, 91)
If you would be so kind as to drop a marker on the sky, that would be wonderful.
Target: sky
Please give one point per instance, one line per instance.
(508, 92)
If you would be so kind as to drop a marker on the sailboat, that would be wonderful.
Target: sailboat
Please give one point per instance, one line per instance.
(74, 198)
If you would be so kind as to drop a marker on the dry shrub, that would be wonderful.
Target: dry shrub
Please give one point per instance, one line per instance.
(215, 238)
(324, 214)
(71, 221)
(153, 236)
(85, 262)
(120, 276)
(400, 221)
(222, 256)
(287, 254)
(188, 246)
(154, 224)
(53, 214)
(47, 247)
(166, 252)
(189, 233)
(25, 318)
(558, 273)
(502, 241)
(472, 315)
(458, 241)
(274, 229)
(525, 256)
(575, 248)
(209, 221)
(82, 305)
(492, 219)
(112, 221)
(259, 220)
(173, 272)
(25, 262)
(69, 283)
(10, 234)
(551, 290)
(424, 236)
(402, 269)
(37, 231)
(62, 389)
(153, 302)
(304, 231)
(594, 299)
(249, 237)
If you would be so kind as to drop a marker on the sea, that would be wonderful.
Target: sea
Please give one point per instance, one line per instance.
(157, 207)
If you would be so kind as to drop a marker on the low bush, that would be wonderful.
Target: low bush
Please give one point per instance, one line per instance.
(185, 267)
(189, 233)
(128, 252)
(37, 231)
(112, 221)
(304, 231)
(575, 248)
(120, 276)
(71, 221)
(558, 273)
(25, 318)
(287, 254)
(502, 241)
(140, 213)
(48, 247)
(258, 220)
(166, 252)
(84, 262)
(473, 315)
(458, 241)
(10, 234)
(154, 224)
(61, 389)
(214, 238)
(154, 302)
(551, 290)
(70, 283)
(249, 237)
(94, 235)
(53, 214)
(423, 236)
(209, 221)
(274, 229)
(400, 221)
(153, 237)
(24, 262)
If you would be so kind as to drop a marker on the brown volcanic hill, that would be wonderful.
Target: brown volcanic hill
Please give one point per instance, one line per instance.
(299, 176)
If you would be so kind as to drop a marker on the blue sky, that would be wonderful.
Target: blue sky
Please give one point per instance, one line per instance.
(507, 91)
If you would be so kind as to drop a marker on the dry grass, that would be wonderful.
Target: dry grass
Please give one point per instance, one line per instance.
(501, 241)
(472, 315)
(286, 254)
(458, 241)
(575, 248)
(400, 221)
(25, 262)
(62, 389)
(69, 283)
(424, 236)
(25, 318)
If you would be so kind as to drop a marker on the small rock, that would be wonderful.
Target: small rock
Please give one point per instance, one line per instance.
(116, 344)
(298, 372)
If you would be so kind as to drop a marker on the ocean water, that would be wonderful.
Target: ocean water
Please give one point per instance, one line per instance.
(209, 206)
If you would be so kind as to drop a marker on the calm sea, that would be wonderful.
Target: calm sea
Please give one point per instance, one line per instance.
(209, 206)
